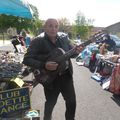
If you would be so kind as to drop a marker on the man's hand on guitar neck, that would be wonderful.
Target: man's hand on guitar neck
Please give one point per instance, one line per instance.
(79, 48)
(50, 65)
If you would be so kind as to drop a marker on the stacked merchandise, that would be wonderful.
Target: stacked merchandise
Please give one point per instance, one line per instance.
(103, 60)
(108, 74)
(9, 67)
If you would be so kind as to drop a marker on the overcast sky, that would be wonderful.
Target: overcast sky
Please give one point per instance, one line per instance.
(104, 12)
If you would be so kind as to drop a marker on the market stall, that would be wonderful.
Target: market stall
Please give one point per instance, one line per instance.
(104, 65)
(15, 91)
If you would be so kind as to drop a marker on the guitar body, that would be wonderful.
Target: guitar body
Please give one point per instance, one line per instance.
(46, 77)
(58, 55)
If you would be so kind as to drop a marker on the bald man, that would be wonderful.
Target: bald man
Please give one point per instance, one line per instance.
(36, 58)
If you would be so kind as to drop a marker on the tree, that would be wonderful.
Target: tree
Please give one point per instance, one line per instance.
(80, 19)
(64, 24)
(35, 12)
(13, 21)
(36, 22)
(21, 23)
(82, 26)
(36, 26)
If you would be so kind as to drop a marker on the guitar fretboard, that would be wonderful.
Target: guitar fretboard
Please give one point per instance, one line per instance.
(71, 52)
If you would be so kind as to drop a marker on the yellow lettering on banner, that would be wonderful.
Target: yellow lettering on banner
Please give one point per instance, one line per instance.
(24, 104)
(18, 106)
(17, 100)
(11, 108)
(3, 111)
(25, 98)
(20, 99)
(2, 104)
(11, 101)
(9, 95)
(14, 100)
(8, 102)
(0, 96)
(6, 95)
(16, 93)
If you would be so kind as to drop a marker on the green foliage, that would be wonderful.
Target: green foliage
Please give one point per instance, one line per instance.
(82, 26)
(80, 20)
(33, 25)
(36, 26)
(82, 30)
(12, 21)
(64, 24)
(35, 12)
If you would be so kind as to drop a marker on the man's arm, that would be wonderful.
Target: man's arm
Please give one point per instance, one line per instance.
(32, 57)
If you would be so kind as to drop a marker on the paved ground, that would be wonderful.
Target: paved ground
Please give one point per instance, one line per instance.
(5, 42)
(93, 103)
(6, 45)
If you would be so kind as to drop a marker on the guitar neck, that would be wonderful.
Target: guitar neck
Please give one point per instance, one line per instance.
(86, 43)
(72, 52)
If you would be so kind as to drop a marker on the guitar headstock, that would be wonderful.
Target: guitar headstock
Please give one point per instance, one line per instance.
(94, 38)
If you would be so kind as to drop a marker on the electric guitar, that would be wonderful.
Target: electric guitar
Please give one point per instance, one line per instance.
(45, 77)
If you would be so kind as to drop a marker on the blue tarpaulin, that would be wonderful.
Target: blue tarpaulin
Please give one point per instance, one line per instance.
(19, 8)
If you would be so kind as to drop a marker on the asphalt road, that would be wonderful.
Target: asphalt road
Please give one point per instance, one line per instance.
(93, 103)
